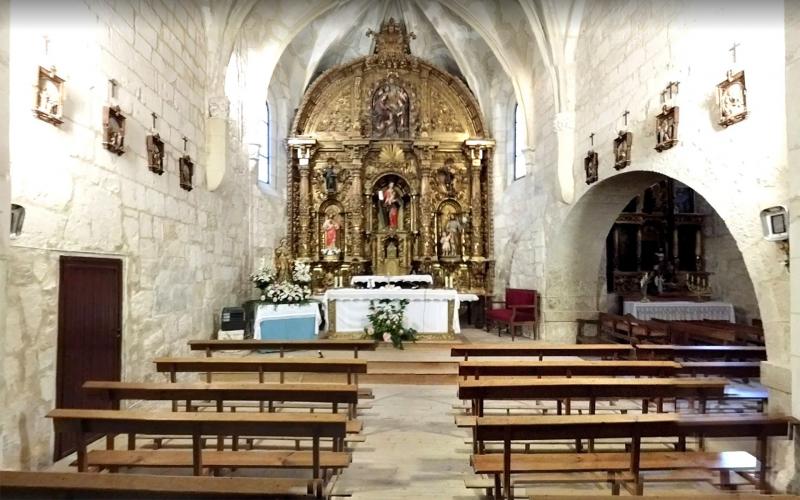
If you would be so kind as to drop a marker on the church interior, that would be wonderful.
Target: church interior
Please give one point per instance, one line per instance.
(395, 249)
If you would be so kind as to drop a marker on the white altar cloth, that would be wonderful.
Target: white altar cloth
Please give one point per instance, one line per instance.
(286, 311)
(427, 310)
(370, 280)
(680, 310)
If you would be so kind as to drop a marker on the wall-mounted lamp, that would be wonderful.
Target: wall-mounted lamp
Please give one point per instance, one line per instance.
(775, 226)
(17, 219)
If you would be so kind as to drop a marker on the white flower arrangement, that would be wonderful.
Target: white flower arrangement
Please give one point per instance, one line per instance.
(264, 275)
(286, 293)
(301, 272)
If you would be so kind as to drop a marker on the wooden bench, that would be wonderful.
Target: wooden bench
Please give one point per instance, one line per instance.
(611, 351)
(89, 485)
(196, 425)
(728, 369)
(284, 346)
(590, 389)
(260, 365)
(630, 330)
(568, 368)
(727, 496)
(700, 332)
(222, 392)
(634, 427)
(705, 352)
(747, 334)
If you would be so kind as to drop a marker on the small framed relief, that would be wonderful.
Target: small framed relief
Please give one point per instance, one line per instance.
(155, 153)
(667, 128)
(114, 130)
(186, 172)
(590, 164)
(49, 102)
(622, 149)
(732, 99)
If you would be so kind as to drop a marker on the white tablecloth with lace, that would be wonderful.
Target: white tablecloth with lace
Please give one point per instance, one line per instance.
(680, 310)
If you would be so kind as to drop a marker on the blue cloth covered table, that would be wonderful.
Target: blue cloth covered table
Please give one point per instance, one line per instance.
(287, 321)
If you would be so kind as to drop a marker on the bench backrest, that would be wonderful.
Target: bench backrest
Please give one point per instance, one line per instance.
(671, 351)
(731, 369)
(286, 345)
(225, 391)
(265, 364)
(199, 423)
(592, 387)
(623, 426)
(541, 350)
(568, 368)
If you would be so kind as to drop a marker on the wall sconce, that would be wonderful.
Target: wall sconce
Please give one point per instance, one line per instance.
(775, 226)
(17, 219)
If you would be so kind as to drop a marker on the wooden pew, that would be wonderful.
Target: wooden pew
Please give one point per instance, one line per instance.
(746, 334)
(198, 424)
(260, 365)
(700, 332)
(222, 392)
(15, 485)
(627, 465)
(568, 368)
(726, 496)
(542, 350)
(590, 389)
(630, 330)
(728, 369)
(705, 352)
(284, 346)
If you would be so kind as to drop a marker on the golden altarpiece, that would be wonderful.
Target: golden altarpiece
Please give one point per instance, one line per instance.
(391, 172)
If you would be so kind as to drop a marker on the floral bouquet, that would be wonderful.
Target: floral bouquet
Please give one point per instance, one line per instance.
(286, 293)
(264, 275)
(386, 322)
(301, 272)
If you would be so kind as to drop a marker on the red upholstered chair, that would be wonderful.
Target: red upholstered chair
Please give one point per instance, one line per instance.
(521, 307)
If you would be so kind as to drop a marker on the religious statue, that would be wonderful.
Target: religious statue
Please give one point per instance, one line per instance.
(330, 176)
(622, 149)
(590, 165)
(155, 153)
(330, 232)
(114, 130)
(666, 128)
(185, 171)
(446, 243)
(280, 262)
(390, 205)
(390, 111)
(49, 97)
(732, 99)
(453, 228)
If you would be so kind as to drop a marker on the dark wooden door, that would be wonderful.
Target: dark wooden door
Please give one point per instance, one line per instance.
(89, 334)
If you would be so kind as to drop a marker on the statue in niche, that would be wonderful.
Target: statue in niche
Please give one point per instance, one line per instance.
(280, 262)
(666, 128)
(390, 111)
(330, 176)
(155, 153)
(622, 149)
(450, 231)
(590, 165)
(49, 105)
(390, 204)
(185, 171)
(446, 178)
(114, 130)
(732, 99)
(330, 233)
(446, 243)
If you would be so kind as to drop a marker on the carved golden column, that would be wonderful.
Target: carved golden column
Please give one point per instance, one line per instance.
(304, 148)
(356, 149)
(424, 151)
(478, 150)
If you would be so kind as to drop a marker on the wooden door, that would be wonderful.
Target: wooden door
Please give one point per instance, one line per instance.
(89, 334)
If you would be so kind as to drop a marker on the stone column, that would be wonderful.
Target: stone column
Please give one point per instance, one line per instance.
(424, 151)
(304, 148)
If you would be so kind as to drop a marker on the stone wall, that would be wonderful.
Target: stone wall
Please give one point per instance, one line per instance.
(5, 201)
(185, 254)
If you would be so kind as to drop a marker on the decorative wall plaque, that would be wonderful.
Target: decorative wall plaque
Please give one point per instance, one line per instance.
(155, 153)
(590, 165)
(667, 128)
(114, 129)
(732, 99)
(186, 171)
(49, 102)
(622, 149)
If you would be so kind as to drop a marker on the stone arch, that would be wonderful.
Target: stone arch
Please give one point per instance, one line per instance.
(575, 248)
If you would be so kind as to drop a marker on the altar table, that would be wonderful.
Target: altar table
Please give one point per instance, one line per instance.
(370, 280)
(680, 310)
(431, 312)
(287, 321)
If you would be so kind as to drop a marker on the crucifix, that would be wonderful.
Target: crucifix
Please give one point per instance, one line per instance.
(732, 50)
(46, 46)
(185, 141)
(155, 117)
(591, 138)
(112, 88)
(625, 116)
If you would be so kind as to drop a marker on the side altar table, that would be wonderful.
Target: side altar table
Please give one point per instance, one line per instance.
(432, 312)
(680, 310)
(287, 321)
